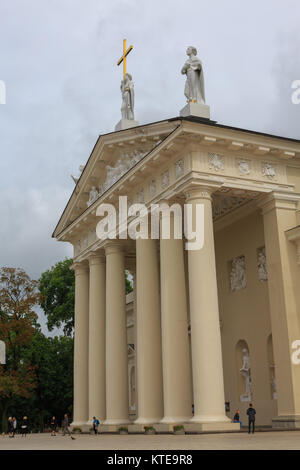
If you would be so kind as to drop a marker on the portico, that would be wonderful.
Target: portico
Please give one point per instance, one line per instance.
(185, 339)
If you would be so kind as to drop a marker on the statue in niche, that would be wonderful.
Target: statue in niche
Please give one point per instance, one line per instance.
(127, 90)
(246, 373)
(262, 265)
(194, 85)
(273, 382)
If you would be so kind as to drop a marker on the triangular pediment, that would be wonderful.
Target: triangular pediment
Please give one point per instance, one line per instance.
(113, 156)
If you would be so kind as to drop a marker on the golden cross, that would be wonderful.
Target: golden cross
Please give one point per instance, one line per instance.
(123, 58)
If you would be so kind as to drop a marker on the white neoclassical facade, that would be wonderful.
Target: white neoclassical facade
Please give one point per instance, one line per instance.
(202, 327)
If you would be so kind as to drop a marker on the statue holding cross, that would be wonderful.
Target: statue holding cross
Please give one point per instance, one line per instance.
(127, 90)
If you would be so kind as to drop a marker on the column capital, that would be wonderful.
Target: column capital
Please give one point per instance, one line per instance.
(279, 200)
(113, 247)
(200, 191)
(96, 258)
(79, 267)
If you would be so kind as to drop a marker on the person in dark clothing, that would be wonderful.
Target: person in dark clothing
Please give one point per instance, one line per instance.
(53, 426)
(24, 426)
(236, 418)
(95, 424)
(65, 426)
(10, 427)
(251, 418)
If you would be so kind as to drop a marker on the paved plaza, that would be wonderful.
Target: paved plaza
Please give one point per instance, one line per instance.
(286, 440)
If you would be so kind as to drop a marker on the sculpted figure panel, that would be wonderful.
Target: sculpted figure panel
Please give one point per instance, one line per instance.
(238, 274)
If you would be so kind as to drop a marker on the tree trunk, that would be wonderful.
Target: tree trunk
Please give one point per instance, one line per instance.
(4, 408)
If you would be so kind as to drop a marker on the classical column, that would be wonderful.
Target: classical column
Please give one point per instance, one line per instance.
(174, 326)
(97, 310)
(116, 338)
(81, 335)
(279, 216)
(148, 326)
(207, 364)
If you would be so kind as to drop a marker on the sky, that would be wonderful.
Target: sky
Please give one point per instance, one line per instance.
(58, 62)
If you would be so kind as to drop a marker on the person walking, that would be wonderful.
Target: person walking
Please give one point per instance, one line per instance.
(95, 424)
(251, 418)
(65, 426)
(24, 426)
(53, 426)
(10, 427)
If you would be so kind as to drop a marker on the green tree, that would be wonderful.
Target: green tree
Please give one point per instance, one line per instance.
(53, 358)
(57, 287)
(18, 322)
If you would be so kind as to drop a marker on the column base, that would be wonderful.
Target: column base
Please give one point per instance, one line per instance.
(174, 420)
(145, 421)
(83, 425)
(113, 425)
(222, 426)
(136, 428)
(209, 419)
(286, 422)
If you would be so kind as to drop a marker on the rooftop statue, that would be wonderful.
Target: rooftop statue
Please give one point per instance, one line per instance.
(194, 85)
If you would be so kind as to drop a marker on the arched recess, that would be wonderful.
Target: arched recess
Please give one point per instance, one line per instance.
(271, 367)
(132, 388)
(243, 370)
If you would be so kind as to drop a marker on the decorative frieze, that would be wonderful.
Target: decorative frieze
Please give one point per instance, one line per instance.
(238, 274)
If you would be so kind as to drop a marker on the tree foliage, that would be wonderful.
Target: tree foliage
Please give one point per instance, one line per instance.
(57, 287)
(18, 321)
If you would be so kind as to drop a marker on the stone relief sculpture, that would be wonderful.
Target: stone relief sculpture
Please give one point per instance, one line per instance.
(153, 187)
(93, 196)
(268, 170)
(127, 90)
(179, 166)
(123, 164)
(238, 274)
(246, 373)
(215, 161)
(243, 166)
(141, 197)
(165, 179)
(194, 85)
(262, 264)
